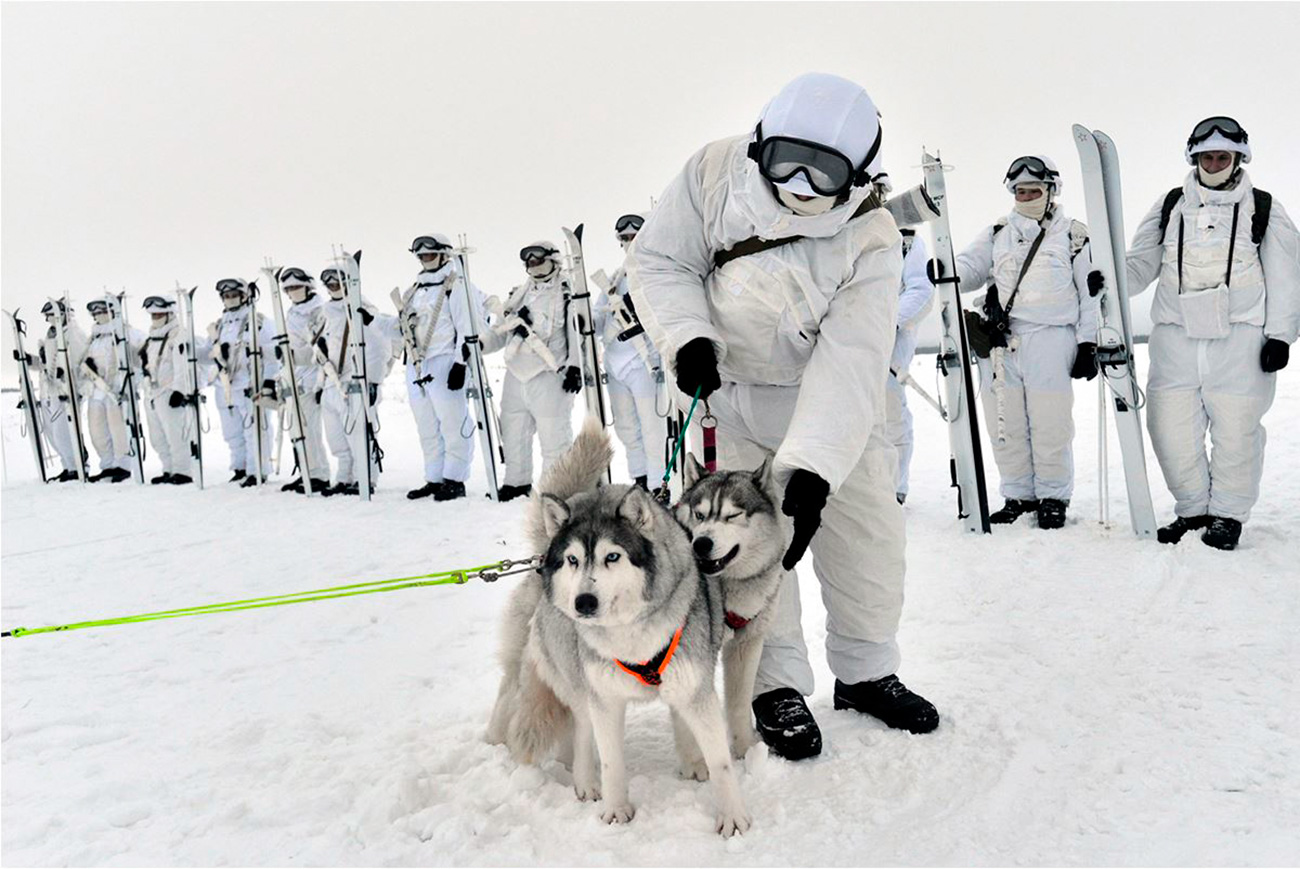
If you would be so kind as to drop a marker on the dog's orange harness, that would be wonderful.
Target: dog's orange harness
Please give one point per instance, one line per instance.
(651, 672)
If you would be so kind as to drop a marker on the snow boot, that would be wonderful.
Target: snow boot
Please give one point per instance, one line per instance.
(1222, 533)
(902, 498)
(119, 475)
(295, 486)
(1051, 513)
(249, 481)
(1174, 531)
(425, 491)
(509, 493)
(161, 478)
(1012, 510)
(180, 479)
(66, 476)
(450, 491)
(643, 481)
(102, 475)
(786, 724)
(239, 475)
(889, 700)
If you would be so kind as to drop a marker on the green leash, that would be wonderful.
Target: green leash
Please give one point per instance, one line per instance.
(488, 573)
(662, 492)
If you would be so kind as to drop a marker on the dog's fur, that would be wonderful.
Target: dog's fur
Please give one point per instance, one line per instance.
(737, 537)
(618, 580)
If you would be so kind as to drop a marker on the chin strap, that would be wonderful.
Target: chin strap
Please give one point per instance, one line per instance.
(651, 672)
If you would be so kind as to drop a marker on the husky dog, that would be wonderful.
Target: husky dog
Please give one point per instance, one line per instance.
(737, 537)
(623, 615)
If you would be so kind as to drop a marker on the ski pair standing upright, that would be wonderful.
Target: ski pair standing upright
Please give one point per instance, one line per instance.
(32, 415)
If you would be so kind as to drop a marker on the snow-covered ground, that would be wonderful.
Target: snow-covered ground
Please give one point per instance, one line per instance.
(1104, 701)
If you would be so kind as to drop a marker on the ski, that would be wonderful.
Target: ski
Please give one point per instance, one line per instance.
(254, 351)
(127, 394)
(358, 383)
(185, 301)
(966, 462)
(284, 350)
(478, 386)
(1101, 192)
(592, 391)
(73, 398)
(28, 402)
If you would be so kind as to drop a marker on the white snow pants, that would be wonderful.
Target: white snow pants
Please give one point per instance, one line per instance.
(108, 432)
(539, 405)
(318, 465)
(442, 419)
(1196, 385)
(344, 436)
(638, 425)
(170, 430)
(1029, 412)
(237, 427)
(898, 429)
(857, 554)
(59, 430)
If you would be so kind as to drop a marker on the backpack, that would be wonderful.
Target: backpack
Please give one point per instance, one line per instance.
(1258, 221)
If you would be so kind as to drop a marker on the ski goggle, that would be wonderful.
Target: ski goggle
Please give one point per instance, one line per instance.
(296, 276)
(535, 253)
(97, 307)
(627, 222)
(1035, 167)
(428, 244)
(332, 276)
(156, 303)
(1227, 127)
(231, 285)
(827, 171)
(48, 308)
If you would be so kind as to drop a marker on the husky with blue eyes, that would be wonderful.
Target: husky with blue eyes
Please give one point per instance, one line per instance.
(737, 537)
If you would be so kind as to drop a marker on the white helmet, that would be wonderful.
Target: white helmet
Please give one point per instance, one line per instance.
(1219, 133)
(1033, 167)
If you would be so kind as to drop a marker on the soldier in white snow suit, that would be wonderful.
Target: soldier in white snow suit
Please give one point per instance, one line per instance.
(769, 276)
(1042, 308)
(103, 385)
(169, 399)
(633, 371)
(433, 319)
(341, 417)
(542, 375)
(55, 392)
(305, 322)
(228, 348)
(915, 299)
(1226, 260)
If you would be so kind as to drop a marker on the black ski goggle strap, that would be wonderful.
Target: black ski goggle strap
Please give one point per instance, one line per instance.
(231, 285)
(828, 172)
(48, 308)
(295, 275)
(331, 276)
(633, 222)
(428, 244)
(156, 303)
(97, 307)
(536, 252)
(1034, 166)
(1227, 127)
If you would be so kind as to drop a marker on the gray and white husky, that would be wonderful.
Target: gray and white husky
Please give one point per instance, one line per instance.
(737, 537)
(620, 613)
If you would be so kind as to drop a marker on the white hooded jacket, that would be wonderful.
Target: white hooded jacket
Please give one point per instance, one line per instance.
(445, 336)
(548, 304)
(817, 314)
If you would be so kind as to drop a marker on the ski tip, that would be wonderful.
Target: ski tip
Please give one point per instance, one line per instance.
(577, 232)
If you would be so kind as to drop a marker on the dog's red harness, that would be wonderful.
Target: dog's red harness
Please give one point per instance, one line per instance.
(651, 672)
(734, 621)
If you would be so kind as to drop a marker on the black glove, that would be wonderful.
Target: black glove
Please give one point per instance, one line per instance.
(268, 389)
(1085, 361)
(176, 399)
(934, 270)
(1096, 282)
(464, 352)
(805, 497)
(456, 377)
(374, 393)
(225, 349)
(90, 363)
(279, 357)
(323, 347)
(1274, 355)
(572, 380)
(22, 357)
(521, 330)
(697, 367)
(318, 394)
(58, 373)
(525, 315)
(366, 317)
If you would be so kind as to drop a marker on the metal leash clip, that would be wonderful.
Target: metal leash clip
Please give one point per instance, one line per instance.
(504, 568)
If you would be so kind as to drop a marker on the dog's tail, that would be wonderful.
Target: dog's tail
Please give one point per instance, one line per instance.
(580, 469)
(540, 719)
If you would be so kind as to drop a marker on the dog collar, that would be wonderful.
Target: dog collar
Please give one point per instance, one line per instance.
(651, 672)
(734, 621)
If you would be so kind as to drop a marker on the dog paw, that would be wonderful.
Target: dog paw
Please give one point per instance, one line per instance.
(587, 793)
(695, 769)
(743, 742)
(617, 814)
(729, 823)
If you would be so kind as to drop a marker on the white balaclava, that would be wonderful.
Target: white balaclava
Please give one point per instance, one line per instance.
(1034, 209)
(1216, 141)
(1215, 180)
(831, 111)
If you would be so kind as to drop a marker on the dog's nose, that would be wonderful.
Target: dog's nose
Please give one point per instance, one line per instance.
(703, 546)
(586, 604)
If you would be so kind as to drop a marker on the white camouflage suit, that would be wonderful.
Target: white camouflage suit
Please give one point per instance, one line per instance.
(1026, 389)
(342, 424)
(633, 372)
(305, 322)
(915, 299)
(532, 397)
(234, 388)
(803, 334)
(102, 387)
(442, 415)
(1215, 384)
(54, 389)
(165, 369)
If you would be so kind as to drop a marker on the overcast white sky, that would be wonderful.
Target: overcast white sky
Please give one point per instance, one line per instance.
(146, 143)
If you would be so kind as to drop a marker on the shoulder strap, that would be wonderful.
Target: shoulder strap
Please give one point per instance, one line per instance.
(1167, 209)
(1259, 221)
(754, 244)
(1232, 244)
(1029, 258)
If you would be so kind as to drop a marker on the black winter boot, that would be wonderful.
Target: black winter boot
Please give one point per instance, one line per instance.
(180, 479)
(643, 481)
(889, 700)
(238, 475)
(1222, 533)
(66, 476)
(119, 475)
(1175, 530)
(425, 491)
(295, 486)
(450, 491)
(250, 481)
(1012, 510)
(509, 493)
(786, 724)
(160, 479)
(1051, 513)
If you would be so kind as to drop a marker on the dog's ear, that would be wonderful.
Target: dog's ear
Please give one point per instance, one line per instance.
(763, 475)
(637, 508)
(554, 514)
(693, 471)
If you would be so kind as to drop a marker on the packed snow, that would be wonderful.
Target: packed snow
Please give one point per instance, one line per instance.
(1104, 700)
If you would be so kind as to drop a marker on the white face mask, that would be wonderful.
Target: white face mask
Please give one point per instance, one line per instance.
(159, 320)
(335, 291)
(1214, 179)
(1034, 209)
(297, 295)
(541, 270)
(807, 207)
(101, 318)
